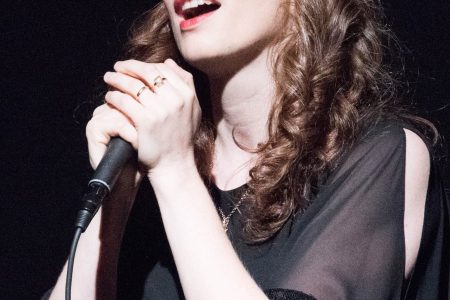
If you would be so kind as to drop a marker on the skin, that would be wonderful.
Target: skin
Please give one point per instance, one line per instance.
(160, 127)
(222, 38)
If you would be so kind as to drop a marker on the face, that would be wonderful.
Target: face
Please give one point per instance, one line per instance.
(209, 30)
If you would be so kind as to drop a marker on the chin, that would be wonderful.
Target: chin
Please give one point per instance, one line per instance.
(198, 54)
(210, 65)
(205, 57)
(217, 61)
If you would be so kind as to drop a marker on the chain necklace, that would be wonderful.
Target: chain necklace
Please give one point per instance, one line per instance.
(226, 219)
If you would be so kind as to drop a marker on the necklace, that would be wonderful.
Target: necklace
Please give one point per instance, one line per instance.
(226, 219)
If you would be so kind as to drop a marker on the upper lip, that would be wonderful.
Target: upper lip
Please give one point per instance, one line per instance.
(178, 4)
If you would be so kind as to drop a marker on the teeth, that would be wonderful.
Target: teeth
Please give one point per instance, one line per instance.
(195, 3)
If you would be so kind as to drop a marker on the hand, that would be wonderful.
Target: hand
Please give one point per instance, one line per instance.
(105, 123)
(160, 124)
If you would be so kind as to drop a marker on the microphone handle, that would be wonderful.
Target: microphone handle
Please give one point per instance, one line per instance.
(116, 156)
(105, 176)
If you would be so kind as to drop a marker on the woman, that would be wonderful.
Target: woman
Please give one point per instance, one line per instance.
(294, 176)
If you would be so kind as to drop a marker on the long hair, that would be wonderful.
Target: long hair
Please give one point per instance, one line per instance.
(331, 82)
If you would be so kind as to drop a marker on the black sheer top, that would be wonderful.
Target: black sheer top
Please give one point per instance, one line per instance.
(348, 244)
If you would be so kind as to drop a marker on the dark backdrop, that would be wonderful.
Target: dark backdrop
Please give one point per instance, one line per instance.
(53, 56)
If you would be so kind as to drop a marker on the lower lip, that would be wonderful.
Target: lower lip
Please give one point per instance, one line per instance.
(194, 22)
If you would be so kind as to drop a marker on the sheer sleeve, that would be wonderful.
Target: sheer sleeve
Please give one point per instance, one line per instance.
(350, 242)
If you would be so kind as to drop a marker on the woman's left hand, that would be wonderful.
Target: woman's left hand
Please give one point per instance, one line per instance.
(166, 116)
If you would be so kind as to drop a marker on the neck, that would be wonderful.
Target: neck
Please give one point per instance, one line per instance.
(241, 104)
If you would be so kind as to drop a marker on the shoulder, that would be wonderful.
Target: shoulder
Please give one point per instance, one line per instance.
(393, 136)
(383, 136)
(417, 173)
(417, 154)
(417, 167)
(389, 167)
(379, 144)
(393, 133)
(384, 144)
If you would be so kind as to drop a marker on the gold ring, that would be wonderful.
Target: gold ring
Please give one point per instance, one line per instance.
(159, 81)
(141, 90)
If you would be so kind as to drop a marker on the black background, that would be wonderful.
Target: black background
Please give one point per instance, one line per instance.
(53, 56)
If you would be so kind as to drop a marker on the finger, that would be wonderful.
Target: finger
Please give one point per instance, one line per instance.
(99, 130)
(127, 105)
(185, 86)
(187, 77)
(147, 72)
(101, 133)
(177, 96)
(129, 85)
(108, 123)
(169, 97)
(100, 109)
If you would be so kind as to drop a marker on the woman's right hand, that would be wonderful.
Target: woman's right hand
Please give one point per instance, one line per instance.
(108, 122)
(105, 123)
(99, 247)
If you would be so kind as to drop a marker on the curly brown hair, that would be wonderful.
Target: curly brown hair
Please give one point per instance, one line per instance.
(331, 82)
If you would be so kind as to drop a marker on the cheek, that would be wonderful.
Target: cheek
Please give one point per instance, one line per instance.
(175, 30)
(257, 21)
(168, 3)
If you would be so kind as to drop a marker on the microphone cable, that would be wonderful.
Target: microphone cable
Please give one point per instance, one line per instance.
(70, 262)
(105, 176)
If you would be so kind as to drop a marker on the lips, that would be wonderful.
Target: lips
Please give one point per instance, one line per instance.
(189, 9)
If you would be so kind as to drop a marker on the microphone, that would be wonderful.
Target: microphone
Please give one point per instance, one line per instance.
(105, 176)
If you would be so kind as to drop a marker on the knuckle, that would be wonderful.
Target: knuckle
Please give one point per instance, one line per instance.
(90, 128)
(189, 76)
(189, 94)
(99, 109)
(179, 105)
(113, 94)
(141, 120)
(117, 98)
(164, 115)
(117, 64)
(197, 111)
(96, 111)
(146, 125)
(149, 72)
(123, 129)
(130, 61)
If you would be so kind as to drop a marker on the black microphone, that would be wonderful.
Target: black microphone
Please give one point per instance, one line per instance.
(105, 176)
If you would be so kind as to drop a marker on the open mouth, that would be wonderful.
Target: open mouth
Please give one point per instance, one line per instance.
(194, 8)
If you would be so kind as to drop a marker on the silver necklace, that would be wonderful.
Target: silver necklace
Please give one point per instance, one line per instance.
(226, 219)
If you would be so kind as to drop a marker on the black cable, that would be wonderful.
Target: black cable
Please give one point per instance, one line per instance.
(73, 250)
(106, 174)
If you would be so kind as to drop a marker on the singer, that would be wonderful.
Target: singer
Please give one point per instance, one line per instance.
(282, 165)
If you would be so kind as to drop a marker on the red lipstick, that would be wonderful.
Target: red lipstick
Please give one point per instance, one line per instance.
(191, 23)
(193, 16)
